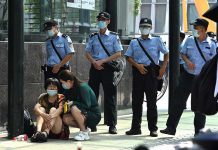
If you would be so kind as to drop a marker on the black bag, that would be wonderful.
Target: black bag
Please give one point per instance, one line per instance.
(113, 65)
(202, 97)
(29, 127)
(155, 69)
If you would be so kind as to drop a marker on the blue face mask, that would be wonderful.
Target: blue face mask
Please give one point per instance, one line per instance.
(102, 24)
(195, 33)
(52, 92)
(65, 86)
(50, 33)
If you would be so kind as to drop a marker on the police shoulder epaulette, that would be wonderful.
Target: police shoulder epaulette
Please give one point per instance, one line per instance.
(215, 41)
(93, 34)
(64, 35)
(47, 39)
(115, 33)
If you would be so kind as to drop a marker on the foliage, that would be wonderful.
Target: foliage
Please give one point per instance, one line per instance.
(137, 7)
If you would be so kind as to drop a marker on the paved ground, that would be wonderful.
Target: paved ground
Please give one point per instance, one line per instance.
(102, 140)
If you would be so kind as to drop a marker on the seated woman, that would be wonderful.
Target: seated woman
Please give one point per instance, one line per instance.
(84, 111)
(48, 110)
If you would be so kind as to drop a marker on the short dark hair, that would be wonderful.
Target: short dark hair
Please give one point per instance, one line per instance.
(49, 24)
(200, 22)
(52, 81)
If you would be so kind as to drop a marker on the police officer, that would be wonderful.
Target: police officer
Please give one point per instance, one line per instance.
(99, 72)
(192, 67)
(143, 79)
(59, 49)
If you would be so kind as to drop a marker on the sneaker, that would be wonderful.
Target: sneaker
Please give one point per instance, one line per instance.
(82, 136)
(88, 130)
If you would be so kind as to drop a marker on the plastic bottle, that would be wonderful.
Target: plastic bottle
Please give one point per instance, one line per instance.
(22, 137)
(79, 146)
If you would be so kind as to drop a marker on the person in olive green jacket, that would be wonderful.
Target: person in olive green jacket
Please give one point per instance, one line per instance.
(84, 111)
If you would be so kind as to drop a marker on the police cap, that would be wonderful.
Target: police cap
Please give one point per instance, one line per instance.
(145, 22)
(104, 15)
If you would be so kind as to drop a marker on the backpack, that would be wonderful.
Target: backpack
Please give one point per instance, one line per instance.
(29, 127)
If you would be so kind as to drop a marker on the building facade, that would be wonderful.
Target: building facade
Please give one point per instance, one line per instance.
(158, 11)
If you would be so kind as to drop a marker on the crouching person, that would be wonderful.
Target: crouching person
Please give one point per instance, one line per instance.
(48, 110)
(84, 110)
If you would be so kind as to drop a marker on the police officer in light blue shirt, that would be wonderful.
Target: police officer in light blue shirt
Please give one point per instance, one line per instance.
(59, 49)
(192, 67)
(143, 79)
(100, 72)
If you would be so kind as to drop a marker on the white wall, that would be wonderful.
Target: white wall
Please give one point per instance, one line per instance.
(125, 18)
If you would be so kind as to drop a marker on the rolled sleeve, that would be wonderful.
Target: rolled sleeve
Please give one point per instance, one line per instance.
(129, 51)
(162, 47)
(68, 49)
(89, 45)
(214, 47)
(184, 48)
(117, 44)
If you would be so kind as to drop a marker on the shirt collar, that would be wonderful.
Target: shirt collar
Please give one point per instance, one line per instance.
(149, 37)
(206, 40)
(59, 34)
(107, 32)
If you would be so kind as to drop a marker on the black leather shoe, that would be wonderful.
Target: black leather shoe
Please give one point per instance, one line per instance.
(112, 130)
(133, 132)
(168, 131)
(153, 134)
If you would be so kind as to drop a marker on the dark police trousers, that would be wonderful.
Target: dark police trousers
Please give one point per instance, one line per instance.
(144, 84)
(105, 77)
(180, 97)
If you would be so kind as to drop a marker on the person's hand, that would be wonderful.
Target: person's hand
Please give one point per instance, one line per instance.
(56, 68)
(69, 103)
(48, 125)
(141, 69)
(46, 117)
(191, 66)
(98, 64)
(161, 73)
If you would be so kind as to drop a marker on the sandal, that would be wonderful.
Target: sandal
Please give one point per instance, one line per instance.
(43, 137)
(34, 138)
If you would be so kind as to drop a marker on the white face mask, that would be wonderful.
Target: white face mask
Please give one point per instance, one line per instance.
(195, 33)
(50, 33)
(65, 86)
(145, 30)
